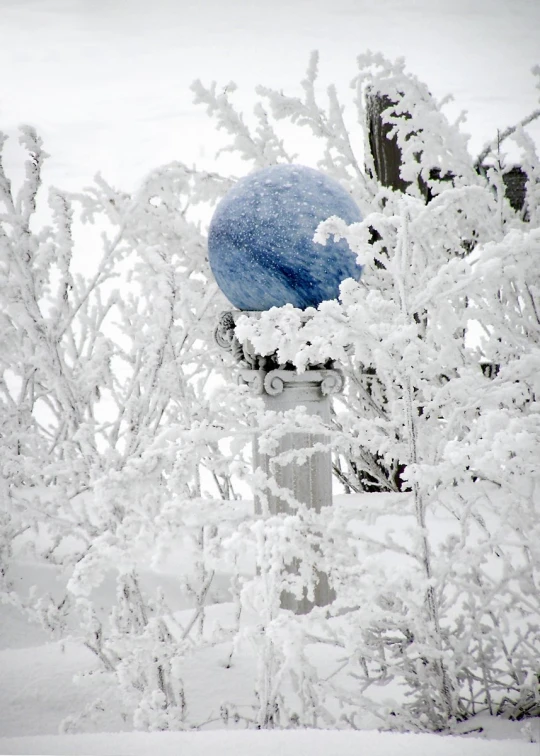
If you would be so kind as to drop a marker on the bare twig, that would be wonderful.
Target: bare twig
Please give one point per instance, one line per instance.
(502, 135)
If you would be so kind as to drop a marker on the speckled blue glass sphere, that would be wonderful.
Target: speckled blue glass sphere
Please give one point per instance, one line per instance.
(260, 242)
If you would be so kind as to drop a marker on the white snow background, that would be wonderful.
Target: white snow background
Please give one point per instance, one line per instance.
(106, 84)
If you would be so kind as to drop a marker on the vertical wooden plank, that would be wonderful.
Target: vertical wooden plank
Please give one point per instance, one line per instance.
(386, 153)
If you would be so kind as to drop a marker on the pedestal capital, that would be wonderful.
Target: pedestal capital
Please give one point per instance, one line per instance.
(225, 337)
(313, 384)
(245, 354)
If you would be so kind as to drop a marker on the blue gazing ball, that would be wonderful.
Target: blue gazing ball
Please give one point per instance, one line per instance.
(260, 242)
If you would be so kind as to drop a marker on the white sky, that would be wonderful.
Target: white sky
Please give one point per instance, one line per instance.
(106, 82)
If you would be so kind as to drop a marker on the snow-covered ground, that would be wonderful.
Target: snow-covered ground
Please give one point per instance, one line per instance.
(54, 698)
(267, 743)
(41, 687)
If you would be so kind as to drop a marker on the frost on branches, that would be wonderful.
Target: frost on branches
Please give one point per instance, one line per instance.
(106, 355)
(124, 440)
(441, 340)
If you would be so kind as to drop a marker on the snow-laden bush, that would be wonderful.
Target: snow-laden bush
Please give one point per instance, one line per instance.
(441, 344)
(109, 448)
(113, 452)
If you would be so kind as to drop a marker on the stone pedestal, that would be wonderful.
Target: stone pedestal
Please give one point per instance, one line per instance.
(282, 389)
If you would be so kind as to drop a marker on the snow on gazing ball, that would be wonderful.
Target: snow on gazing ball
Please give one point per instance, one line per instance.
(260, 242)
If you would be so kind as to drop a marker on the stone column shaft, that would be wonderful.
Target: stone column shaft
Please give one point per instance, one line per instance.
(282, 390)
(309, 482)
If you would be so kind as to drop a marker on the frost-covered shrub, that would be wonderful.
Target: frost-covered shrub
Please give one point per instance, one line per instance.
(109, 457)
(440, 342)
(113, 453)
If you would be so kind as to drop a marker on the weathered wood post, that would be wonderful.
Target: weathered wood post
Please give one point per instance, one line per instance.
(387, 156)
